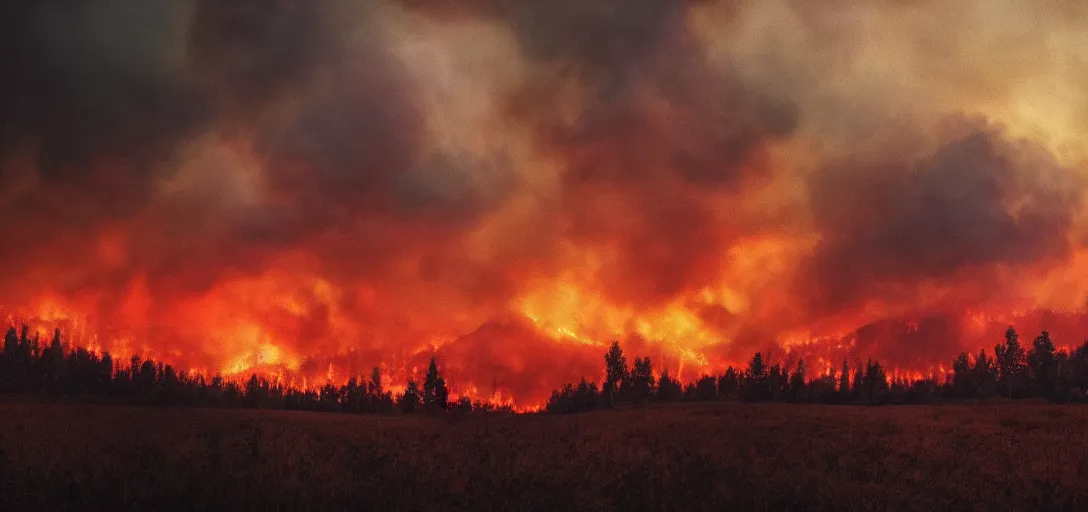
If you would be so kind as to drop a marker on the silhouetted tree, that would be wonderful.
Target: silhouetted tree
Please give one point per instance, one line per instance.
(796, 388)
(777, 379)
(256, 393)
(668, 388)
(562, 400)
(11, 342)
(374, 386)
(923, 391)
(729, 384)
(1043, 367)
(1011, 365)
(430, 382)
(823, 390)
(844, 382)
(873, 376)
(411, 397)
(26, 366)
(441, 394)
(232, 395)
(50, 362)
(690, 393)
(354, 396)
(615, 372)
(378, 398)
(706, 388)
(215, 390)
(857, 389)
(1078, 372)
(1064, 388)
(329, 398)
(898, 391)
(642, 380)
(571, 399)
(984, 375)
(875, 384)
(463, 405)
(755, 385)
(586, 396)
(11, 361)
(963, 382)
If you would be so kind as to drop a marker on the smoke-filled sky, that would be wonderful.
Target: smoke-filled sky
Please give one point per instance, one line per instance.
(307, 189)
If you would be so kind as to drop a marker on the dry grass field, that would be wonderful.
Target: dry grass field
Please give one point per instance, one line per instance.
(716, 456)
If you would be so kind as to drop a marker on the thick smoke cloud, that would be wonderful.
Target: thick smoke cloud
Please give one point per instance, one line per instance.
(978, 201)
(648, 132)
(77, 91)
(327, 113)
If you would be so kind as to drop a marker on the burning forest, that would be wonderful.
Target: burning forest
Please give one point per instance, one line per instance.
(306, 190)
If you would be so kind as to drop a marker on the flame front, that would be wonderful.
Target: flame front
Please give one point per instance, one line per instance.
(307, 190)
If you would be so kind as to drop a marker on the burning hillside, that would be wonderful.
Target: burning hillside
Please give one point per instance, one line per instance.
(308, 189)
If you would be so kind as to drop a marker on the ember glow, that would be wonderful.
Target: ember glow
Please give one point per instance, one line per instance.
(307, 189)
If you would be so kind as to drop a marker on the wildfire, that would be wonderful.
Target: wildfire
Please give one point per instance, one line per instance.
(317, 189)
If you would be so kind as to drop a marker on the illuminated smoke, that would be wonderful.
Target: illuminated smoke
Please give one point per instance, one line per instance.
(292, 186)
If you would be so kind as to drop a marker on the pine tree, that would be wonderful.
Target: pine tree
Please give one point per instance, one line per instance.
(441, 394)
(858, 386)
(668, 388)
(706, 388)
(844, 381)
(984, 375)
(875, 383)
(797, 383)
(11, 342)
(1011, 365)
(411, 397)
(430, 384)
(642, 380)
(755, 386)
(1043, 367)
(963, 385)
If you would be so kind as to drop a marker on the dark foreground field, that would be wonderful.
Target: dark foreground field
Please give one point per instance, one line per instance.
(685, 457)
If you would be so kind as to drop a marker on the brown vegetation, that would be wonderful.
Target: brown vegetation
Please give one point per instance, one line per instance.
(705, 456)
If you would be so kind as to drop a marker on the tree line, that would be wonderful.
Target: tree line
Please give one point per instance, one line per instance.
(1012, 372)
(29, 366)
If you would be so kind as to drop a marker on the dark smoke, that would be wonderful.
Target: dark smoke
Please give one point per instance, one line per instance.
(977, 202)
(648, 129)
(108, 97)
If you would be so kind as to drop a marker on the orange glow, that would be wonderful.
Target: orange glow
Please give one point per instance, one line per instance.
(413, 181)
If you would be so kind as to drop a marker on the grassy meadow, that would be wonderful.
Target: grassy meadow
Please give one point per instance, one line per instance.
(701, 456)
